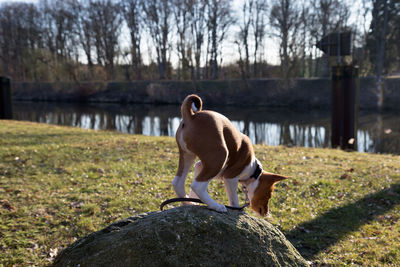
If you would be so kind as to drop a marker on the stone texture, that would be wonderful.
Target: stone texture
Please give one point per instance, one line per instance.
(184, 236)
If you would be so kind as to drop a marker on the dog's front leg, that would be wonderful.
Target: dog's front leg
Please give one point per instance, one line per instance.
(200, 188)
(231, 191)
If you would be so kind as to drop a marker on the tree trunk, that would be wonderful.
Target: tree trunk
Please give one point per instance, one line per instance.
(380, 58)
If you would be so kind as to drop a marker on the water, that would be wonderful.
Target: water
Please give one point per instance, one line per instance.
(377, 133)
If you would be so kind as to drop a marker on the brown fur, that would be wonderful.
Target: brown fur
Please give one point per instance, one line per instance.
(213, 138)
(264, 191)
(208, 131)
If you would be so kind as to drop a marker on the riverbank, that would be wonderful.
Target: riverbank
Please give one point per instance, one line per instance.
(61, 183)
(303, 93)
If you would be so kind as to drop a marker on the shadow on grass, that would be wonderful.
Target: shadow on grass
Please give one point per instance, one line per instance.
(317, 235)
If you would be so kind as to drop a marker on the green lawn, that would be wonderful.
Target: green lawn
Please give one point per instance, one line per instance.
(58, 184)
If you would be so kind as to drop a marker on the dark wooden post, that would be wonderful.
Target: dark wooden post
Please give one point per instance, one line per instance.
(350, 112)
(345, 84)
(344, 106)
(5, 99)
(337, 107)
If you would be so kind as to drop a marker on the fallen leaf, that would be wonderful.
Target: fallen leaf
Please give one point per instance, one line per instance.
(76, 205)
(295, 182)
(7, 205)
(100, 170)
(53, 252)
(345, 176)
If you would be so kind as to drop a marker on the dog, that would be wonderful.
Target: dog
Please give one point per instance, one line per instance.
(224, 153)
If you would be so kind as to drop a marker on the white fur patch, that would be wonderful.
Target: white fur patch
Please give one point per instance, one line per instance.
(179, 185)
(194, 107)
(231, 191)
(200, 188)
(251, 188)
(179, 181)
(182, 143)
(248, 170)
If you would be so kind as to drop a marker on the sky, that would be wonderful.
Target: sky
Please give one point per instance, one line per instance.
(29, 1)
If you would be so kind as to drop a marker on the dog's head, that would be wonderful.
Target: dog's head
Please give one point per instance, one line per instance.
(263, 192)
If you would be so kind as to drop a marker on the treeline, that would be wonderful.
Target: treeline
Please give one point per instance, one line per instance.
(81, 40)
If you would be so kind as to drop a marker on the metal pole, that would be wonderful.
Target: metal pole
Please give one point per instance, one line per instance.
(5, 98)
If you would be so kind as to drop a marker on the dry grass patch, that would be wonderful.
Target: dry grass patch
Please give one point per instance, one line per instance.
(58, 184)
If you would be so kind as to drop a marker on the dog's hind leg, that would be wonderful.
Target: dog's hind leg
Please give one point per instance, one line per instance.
(186, 160)
(197, 168)
(211, 168)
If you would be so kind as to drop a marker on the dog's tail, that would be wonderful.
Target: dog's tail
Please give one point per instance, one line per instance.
(190, 106)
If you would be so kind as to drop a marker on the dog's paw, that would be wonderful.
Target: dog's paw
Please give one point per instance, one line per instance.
(218, 208)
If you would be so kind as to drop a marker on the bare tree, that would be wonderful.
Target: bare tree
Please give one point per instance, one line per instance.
(106, 20)
(54, 39)
(20, 36)
(10, 44)
(133, 18)
(59, 23)
(330, 15)
(378, 36)
(197, 9)
(84, 30)
(361, 27)
(285, 20)
(303, 40)
(258, 24)
(181, 10)
(252, 29)
(219, 18)
(243, 35)
(59, 34)
(158, 16)
(64, 27)
(380, 55)
(384, 36)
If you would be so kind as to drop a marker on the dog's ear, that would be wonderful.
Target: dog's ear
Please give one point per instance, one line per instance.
(274, 178)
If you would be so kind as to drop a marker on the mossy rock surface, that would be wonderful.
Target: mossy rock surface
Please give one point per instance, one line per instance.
(184, 236)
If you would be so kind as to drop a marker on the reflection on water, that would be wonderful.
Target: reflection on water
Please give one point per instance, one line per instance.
(379, 133)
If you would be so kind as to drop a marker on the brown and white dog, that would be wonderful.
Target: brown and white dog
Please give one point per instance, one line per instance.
(224, 153)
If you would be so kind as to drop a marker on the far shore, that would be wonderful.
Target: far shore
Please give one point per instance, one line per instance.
(301, 93)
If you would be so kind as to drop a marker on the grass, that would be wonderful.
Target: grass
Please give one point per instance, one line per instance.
(58, 184)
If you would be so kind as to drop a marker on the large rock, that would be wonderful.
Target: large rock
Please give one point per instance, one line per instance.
(184, 236)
